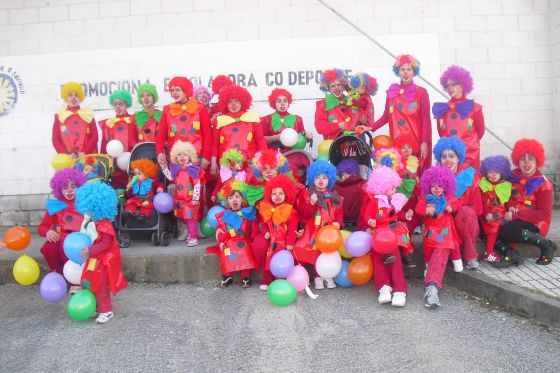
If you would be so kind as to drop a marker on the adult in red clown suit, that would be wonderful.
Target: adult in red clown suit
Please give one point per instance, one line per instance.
(529, 213)
(363, 87)
(74, 130)
(451, 152)
(147, 119)
(335, 113)
(407, 109)
(459, 116)
(237, 127)
(122, 128)
(60, 219)
(273, 124)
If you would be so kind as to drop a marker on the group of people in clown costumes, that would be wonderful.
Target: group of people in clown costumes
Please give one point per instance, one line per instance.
(213, 149)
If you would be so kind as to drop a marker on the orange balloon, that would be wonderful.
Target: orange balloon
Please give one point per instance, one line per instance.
(328, 239)
(382, 141)
(17, 238)
(360, 270)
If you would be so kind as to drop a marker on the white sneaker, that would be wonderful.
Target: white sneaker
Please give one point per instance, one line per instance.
(385, 294)
(263, 287)
(104, 317)
(319, 284)
(399, 299)
(330, 283)
(426, 270)
(417, 230)
(183, 232)
(457, 265)
(74, 289)
(192, 242)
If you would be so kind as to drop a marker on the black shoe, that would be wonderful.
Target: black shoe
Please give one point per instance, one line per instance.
(225, 282)
(246, 282)
(408, 260)
(548, 247)
(388, 259)
(509, 258)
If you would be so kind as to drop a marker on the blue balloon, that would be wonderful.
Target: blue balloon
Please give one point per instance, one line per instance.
(282, 264)
(342, 279)
(74, 243)
(211, 216)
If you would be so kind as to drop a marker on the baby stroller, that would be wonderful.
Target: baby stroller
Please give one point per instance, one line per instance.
(299, 160)
(97, 167)
(156, 225)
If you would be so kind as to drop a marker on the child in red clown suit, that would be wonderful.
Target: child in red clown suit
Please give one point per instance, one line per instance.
(280, 220)
(235, 231)
(147, 120)
(61, 218)
(141, 188)
(188, 178)
(496, 192)
(349, 184)
(232, 166)
(273, 124)
(103, 269)
(74, 131)
(320, 206)
(437, 205)
(363, 86)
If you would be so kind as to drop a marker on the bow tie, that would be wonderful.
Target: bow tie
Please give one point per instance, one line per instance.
(409, 91)
(322, 198)
(86, 114)
(279, 214)
(235, 218)
(226, 173)
(463, 108)
(464, 180)
(54, 206)
(193, 171)
(249, 116)
(111, 122)
(331, 101)
(530, 185)
(288, 121)
(142, 117)
(440, 202)
(141, 188)
(502, 189)
(190, 107)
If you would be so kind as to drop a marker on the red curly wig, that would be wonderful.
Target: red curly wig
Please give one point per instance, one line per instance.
(219, 82)
(407, 140)
(280, 181)
(528, 146)
(146, 166)
(277, 92)
(185, 84)
(237, 92)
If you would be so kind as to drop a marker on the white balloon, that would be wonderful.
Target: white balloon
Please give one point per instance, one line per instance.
(328, 265)
(123, 160)
(73, 272)
(288, 137)
(115, 148)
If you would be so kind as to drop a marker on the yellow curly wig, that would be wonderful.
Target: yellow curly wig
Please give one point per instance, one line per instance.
(146, 166)
(72, 87)
(184, 147)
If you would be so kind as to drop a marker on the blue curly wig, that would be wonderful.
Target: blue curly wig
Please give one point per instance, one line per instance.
(98, 200)
(321, 168)
(450, 143)
(496, 163)
(349, 166)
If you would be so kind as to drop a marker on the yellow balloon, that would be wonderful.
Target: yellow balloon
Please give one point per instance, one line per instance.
(26, 270)
(342, 249)
(61, 160)
(324, 146)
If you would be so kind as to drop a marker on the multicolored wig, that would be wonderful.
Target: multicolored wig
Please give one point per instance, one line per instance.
(146, 166)
(329, 76)
(496, 163)
(219, 82)
(363, 80)
(409, 140)
(232, 156)
(406, 59)
(202, 89)
(277, 92)
(121, 94)
(284, 182)
(381, 180)
(61, 178)
(350, 166)
(231, 186)
(96, 199)
(389, 157)
(147, 88)
(450, 143)
(184, 83)
(186, 148)
(318, 168)
(458, 75)
(440, 176)
(231, 92)
(72, 87)
(528, 146)
(272, 158)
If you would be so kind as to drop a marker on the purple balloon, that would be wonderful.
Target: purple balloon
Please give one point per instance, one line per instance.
(163, 202)
(358, 243)
(282, 264)
(53, 287)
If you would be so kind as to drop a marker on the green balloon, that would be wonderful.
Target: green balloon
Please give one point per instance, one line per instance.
(322, 157)
(281, 292)
(301, 142)
(82, 305)
(206, 229)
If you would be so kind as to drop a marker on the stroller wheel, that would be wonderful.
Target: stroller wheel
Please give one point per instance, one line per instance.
(164, 238)
(155, 239)
(123, 239)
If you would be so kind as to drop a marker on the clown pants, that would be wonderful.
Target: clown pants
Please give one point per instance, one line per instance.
(53, 252)
(388, 274)
(466, 223)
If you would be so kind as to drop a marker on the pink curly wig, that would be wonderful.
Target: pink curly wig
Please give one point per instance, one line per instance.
(440, 176)
(277, 92)
(202, 89)
(528, 146)
(231, 92)
(458, 75)
(61, 179)
(381, 180)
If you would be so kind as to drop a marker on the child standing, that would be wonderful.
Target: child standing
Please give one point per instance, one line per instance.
(142, 187)
(102, 274)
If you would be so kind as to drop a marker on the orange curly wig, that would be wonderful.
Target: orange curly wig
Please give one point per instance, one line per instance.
(146, 166)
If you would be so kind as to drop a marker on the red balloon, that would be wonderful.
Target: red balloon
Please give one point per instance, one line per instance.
(382, 141)
(328, 239)
(360, 270)
(17, 238)
(384, 241)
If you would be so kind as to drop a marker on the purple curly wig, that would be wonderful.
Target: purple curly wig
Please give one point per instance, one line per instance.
(496, 163)
(440, 176)
(450, 143)
(458, 75)
(349, 166)
(61, 179)
(321, 168)
(382, 179)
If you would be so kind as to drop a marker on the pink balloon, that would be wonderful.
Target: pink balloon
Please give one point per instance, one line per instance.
(299, 278)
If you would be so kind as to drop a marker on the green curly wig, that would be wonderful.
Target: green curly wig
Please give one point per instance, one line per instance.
(232, 156)
(123, 95)
(147, 87)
